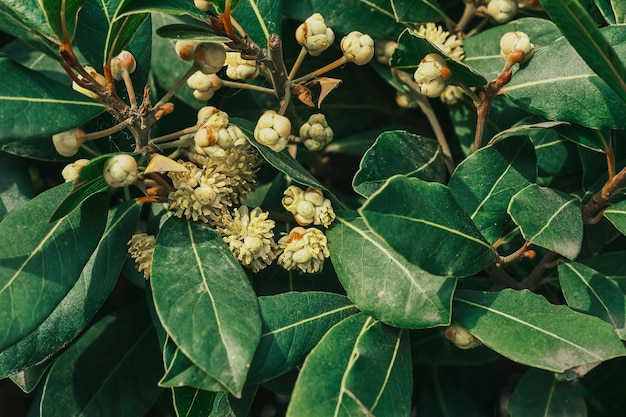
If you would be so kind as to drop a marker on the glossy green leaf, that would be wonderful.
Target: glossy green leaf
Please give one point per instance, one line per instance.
(61, 16)
(361, 367)
(399, 152)
(379, 18)
(26, 20)
(619, 7)
(449, 245)
(556, 156)
(541, 394)
(32, 105)
(173, 7)
(611, 265)
(293, 323)
(431, 347)
(482, 51)
(78, 307)
(549, 218)
(604, 6)
(226, 325)
(192, 402)
(554, 91)
(412, 48)
(445, 392)
(41, 261)
(23, 54)
(225, 405)
(261, 18)
(381, 282)
(220, 5)
(29, 378)
(582, 33)
(181, 371)
(597, 140)
(521, 129)
(192, 32)
(110, 371)
(15, 184)
(617, 215)
(525, 328)
(505, 168)
(588, 291)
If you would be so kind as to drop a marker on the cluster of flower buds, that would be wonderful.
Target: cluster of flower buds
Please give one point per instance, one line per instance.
(209, 57)
(215, 133)
(315, 133)
(515, 47)
(250, 237)
(239, 68)
(272, 130)
(67, 143)
(502, 10)
(71, 171)
(100, 79)
(432, 75)
(314, 35)
(304, 249)
(122, 64)
(141, 248)
(120, 170)
(308, 207)
(204, 85)
(357, 47)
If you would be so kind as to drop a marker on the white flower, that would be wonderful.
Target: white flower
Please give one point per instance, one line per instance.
(314, 35)
(209, 57)
(141, 248)
(316, 133)
(357, 47)
(304, 249)
(204, 82)
(239, 68)
(516, 47)
(308, 207)
(459, 335)
(502, 10)
(450, 44)
(120, 170)
(123, 63)
(250, 237)
(272, 130)
(71, 171)
(432, 75)
(67, 143)
(184, 48)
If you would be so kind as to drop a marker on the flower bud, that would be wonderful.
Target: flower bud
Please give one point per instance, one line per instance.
(272, 130)
(308, 207)
(204, 82)
(516, 47)
(432, 75)
(239, 68)
(502, 10)
(124, 62)
(304, 249)
(314, 35)
(358, 48)
(213, 116)
(210, 57)
(202, 5)
(120, 170)
(100, 79)
(316, 133)
(406, 100)
(459, 335)
(71, 171)
(203, 95)
(184, 48)
(452, 95)
(384, 50)
(67, 143)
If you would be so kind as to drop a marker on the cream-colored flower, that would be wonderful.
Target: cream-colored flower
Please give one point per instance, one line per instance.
(452, 95)
(272, 130)
(209, 57)
(250, 237)
(357, 47)
(184, 48)
(315, 133)
(314, 35)
(406, 100)
(120, 170)
(304, 249)
(502, 10)
(308, 207)
(67, 143)
(459, 335)
(100, 79)
(450, 44)
(432, 75)
(239, 68)
(203, 5)
(384, 49)
(141, 248)
(516, 47)
(123, 63)
(71, 171)
(204, 82)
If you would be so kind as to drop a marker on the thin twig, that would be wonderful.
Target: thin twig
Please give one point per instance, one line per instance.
(178, 84)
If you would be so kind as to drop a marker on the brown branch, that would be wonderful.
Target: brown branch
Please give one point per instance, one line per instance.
(483, 108)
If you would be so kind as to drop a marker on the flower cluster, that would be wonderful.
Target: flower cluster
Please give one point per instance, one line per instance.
(250, 237)
(502, 10)
(141, 248)
(120, 170)
(239, 68)
(315, 133)
(308, 207)
(357, 47)
(67, 143)
(314, 35)
(71, 171)
(304, 249)
(204, 85)
(272, 130)
(432, 75)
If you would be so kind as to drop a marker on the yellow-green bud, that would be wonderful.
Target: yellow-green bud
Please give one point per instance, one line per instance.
(67, 143)
(314, 35)
(357, 47)
(71, 171)
(120, 170)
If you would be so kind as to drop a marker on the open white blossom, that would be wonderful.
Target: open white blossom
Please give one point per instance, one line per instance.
(304, 249)
(450, 44)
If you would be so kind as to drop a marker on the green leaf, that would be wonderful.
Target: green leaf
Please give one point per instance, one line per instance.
(41, 261)
(521, 129)
(541, 394)
(32, 105)
(505, 168)
(293, 323)
(604, 6)
(225, 405)
(588, 291)
(260, 18)
(549, 218)
(78, 307)
(361, 367)
(16, 187)
(111, 370)
(192, 32)
(611, 265)
(412, 48)
(399, 152)
(597, 140)
(26, 20)
(386, 287)
(617, 215)
(619, 7)
(29, 378)
(525, 328)
(554, 91)
(181, 371)
(482, 51)
(581, 31)
(556, 156)
(61, 16)
(173, 7)
(192, 402)
(220, 5)
(226, 321)
(449, 245)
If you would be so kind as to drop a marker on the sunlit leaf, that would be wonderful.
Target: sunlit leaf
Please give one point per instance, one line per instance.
(261, 18)
(61, 16)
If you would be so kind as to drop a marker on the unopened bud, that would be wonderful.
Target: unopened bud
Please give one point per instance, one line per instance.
(358, 48)
(124, 62)
(432, 75)
(272, 130)
(203, 5)
(502, 10)
(184, 49)
(67, 143)
(515, 47)
(120, 170)
(71, 171)
(459, 335)
(314, 35)
(210, 57)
